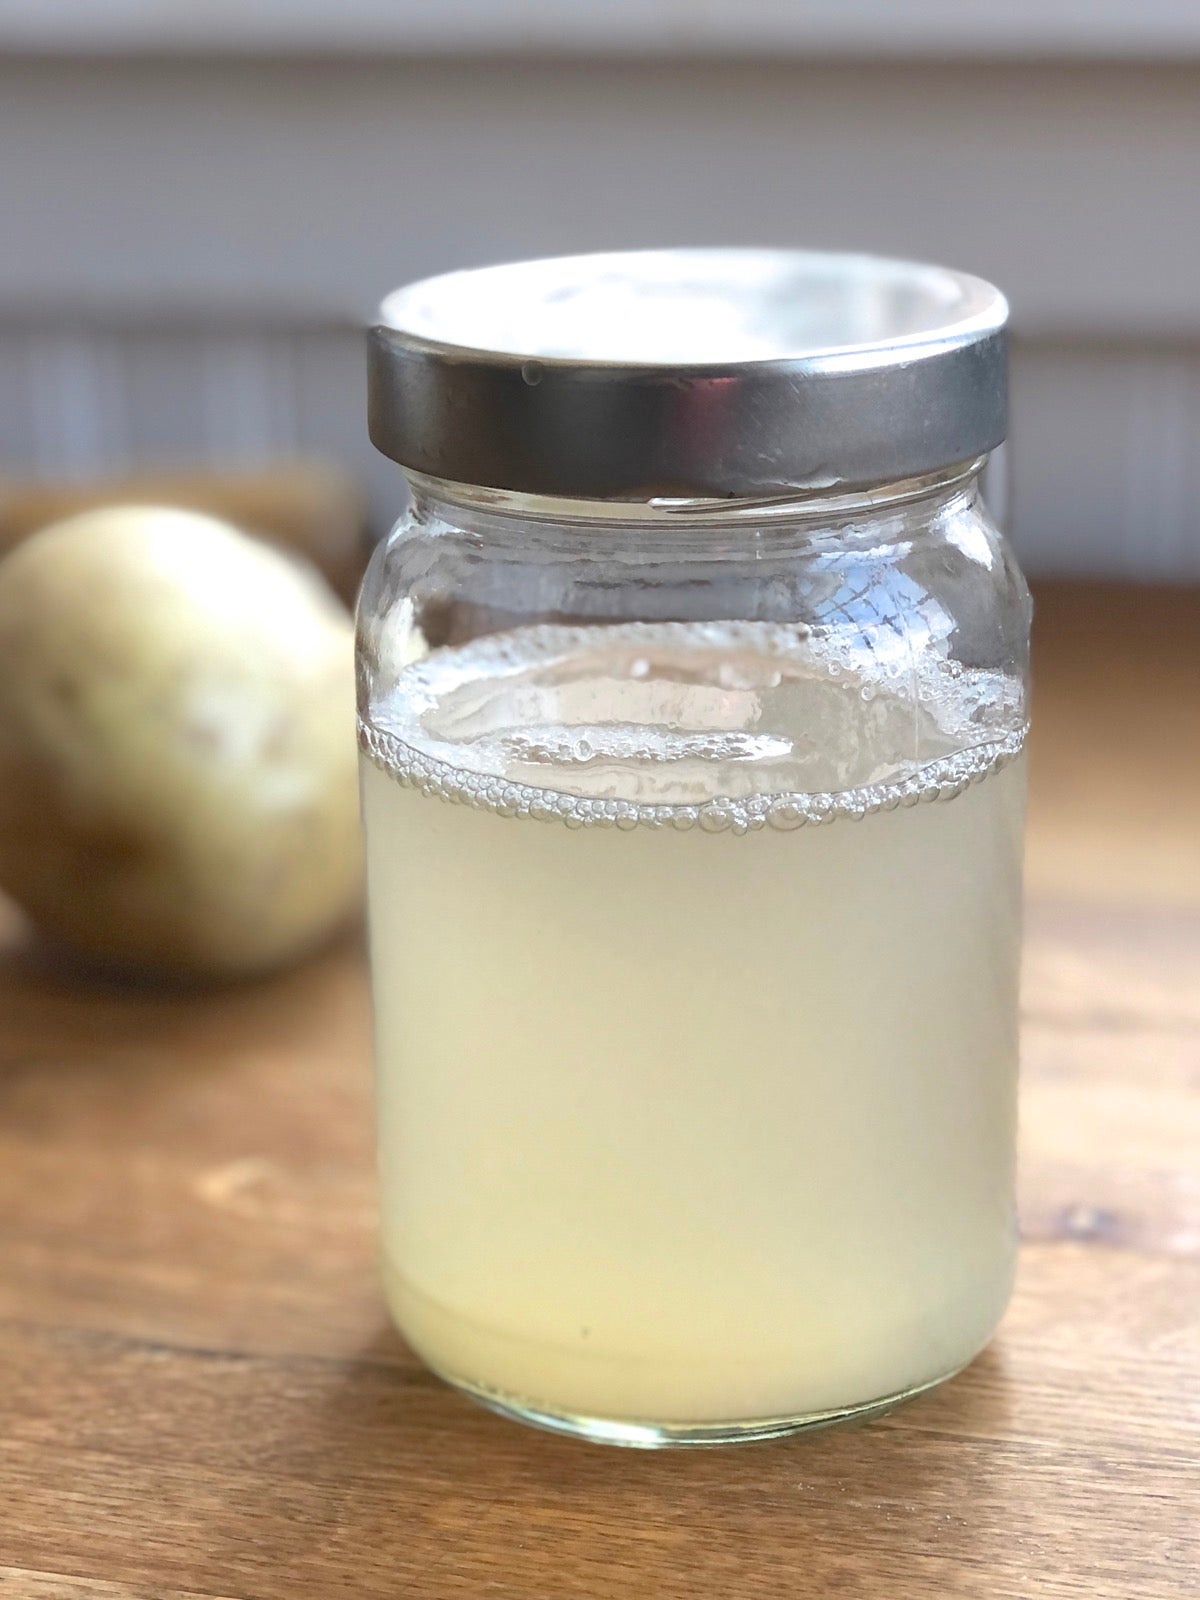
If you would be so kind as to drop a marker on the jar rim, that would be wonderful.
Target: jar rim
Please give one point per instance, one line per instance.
(689, 373)
(697, 513)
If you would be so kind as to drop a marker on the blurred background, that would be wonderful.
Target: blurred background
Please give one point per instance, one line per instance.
(202, 203)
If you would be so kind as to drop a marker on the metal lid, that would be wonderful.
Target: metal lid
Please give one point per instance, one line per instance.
(689, 372)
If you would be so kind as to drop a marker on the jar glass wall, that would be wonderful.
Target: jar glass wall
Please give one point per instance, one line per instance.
(694, 840)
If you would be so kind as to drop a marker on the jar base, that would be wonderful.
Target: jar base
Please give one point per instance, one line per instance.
(637, 1435)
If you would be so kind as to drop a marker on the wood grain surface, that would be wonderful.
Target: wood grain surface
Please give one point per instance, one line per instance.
(200, 1394)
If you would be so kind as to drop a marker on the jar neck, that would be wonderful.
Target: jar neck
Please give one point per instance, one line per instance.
(491, 509)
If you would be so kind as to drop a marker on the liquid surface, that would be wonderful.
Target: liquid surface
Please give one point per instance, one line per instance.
(685, 1115)
(722, 726)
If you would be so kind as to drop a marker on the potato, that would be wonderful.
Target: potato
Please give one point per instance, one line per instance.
(177, 758)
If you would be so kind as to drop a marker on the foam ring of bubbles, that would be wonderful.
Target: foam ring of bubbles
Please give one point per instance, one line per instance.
(943, 779)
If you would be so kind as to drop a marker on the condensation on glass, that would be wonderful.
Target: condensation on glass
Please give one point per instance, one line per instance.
(692, 696)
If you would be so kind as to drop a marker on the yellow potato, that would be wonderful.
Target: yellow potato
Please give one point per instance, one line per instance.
(177, 758)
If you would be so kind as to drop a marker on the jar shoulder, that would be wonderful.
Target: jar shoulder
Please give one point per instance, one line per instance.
(944, 581)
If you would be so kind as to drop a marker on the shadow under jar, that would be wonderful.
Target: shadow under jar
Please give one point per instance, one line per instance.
(692, 703)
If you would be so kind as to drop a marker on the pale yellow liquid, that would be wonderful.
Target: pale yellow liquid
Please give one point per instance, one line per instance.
(692, 1127)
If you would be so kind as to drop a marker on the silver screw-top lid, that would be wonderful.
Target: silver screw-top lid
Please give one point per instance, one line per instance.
(685, 373)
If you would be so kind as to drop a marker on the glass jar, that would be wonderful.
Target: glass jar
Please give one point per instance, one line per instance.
(692, 694)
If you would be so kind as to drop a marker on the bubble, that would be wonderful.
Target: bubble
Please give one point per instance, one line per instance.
(788, 814)
(715, 818)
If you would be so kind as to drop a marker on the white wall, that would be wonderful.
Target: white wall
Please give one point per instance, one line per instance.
(747, 29)
(188, 244)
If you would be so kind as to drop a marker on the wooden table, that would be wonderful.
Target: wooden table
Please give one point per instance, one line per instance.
(201, 1393)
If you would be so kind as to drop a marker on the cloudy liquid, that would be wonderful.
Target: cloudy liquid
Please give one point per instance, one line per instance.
(696, 1098)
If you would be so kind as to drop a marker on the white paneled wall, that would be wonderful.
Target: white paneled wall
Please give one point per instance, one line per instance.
(1106, 459)
(187, 245)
